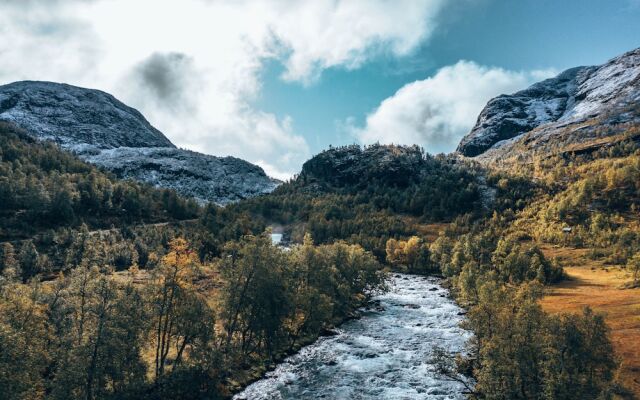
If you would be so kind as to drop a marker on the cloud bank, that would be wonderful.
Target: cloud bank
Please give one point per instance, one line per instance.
(193, 67)
(438, 111)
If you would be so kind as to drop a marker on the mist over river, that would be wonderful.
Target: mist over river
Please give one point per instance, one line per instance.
(383, 355)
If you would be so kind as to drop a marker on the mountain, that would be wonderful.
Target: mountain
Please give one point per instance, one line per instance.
(104, 131)
(204, 177)
(579, 108)
(73, 117)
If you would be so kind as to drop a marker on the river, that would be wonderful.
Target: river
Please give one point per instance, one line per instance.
(383, 355)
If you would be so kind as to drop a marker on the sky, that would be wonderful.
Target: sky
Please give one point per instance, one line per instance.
(276, 81)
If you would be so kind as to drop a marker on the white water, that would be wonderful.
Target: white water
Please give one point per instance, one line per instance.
(276, 238)
(383, 355)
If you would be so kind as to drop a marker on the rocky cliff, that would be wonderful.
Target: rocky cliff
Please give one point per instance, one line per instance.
(580, 104)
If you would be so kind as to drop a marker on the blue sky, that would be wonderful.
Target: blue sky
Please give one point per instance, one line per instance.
(515, 35)
(276, 81)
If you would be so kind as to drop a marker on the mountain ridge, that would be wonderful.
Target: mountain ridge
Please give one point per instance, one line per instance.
(560, 109)
(106, 132)
(70, 115)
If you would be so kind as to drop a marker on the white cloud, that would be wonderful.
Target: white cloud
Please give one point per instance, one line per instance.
(325, 34)
(436, 112)
(192, 67)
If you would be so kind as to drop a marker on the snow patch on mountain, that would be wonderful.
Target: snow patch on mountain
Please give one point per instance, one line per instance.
(222, 180)
(70, 116)
(572, 97)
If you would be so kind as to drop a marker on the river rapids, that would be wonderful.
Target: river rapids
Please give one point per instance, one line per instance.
(386, 354)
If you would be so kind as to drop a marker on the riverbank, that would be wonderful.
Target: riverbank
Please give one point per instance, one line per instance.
(384, 354)
(242, 380)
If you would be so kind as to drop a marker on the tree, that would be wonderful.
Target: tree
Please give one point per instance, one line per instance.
(395, 252)
(101, 309)
(62, 211)
(180, 317)
(412, 254)
(519, 352)
(9, 267)
(633, 265)
(28, 257)
(24, 334)
(313, 277)
(256, 296)
(99, 326)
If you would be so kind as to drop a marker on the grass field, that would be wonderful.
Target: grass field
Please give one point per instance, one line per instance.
(428, 231)
(599, 286)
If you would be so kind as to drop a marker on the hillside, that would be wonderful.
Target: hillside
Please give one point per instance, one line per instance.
(493, 254)
(356, 166)
(222, 180)
(369, 194)
(577, 138)
(351, 220)
(163, 295)
(43, 187)
(76, 118)
(104, 131)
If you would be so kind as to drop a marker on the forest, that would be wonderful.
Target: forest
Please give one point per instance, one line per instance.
(111, 289)
(44, 188)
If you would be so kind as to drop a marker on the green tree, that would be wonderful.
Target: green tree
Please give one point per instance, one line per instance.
(28, 257)
(24, 334)
(62, 211)
(580, 358)
(256, 296)
(633, 265)
(520, 352)
(10, 267)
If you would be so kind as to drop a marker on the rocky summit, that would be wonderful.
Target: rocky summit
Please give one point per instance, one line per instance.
(106, 132)
(76, 117)
(355, 165)
(579, 105)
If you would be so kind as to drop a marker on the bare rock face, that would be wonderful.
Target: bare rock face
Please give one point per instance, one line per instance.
(222, 180)
(72, 116)
(104, 131)
(609, 93)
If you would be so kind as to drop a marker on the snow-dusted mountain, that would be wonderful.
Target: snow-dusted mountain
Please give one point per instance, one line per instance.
(104, 131)
(73, 116)
(207, 178)
(580, 104)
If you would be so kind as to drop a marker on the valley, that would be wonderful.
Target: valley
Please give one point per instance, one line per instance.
(130, 269)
